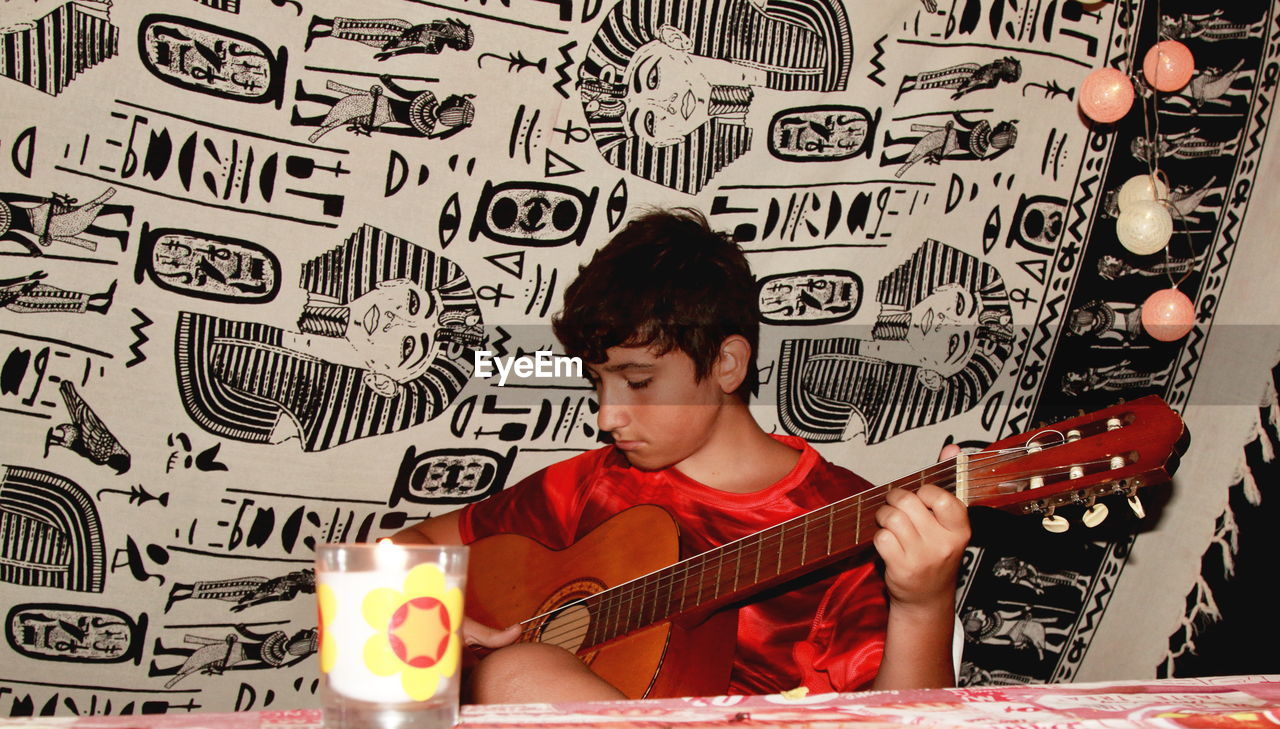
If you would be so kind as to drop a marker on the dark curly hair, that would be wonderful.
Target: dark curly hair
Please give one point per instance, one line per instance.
(667, 281)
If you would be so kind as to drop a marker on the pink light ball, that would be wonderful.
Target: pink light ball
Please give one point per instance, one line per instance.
(1144, 227)
(1106, 95)
(1168, 66)
(1168, 315)
(1139, 188)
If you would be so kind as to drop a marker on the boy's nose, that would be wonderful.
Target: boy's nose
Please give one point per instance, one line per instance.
(611, 417)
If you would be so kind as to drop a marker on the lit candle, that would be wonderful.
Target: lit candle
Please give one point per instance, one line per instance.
(389, 617)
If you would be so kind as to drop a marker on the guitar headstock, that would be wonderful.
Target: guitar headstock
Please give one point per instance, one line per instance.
(1117, 450)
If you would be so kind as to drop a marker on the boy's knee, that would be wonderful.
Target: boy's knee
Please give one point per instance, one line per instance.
(528, 672)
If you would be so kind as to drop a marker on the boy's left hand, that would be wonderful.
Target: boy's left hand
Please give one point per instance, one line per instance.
(921, 540)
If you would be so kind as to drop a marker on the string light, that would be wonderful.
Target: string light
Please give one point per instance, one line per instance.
(1144, 226)
(1168, 66)
(1141, 187)
(1106, 95)
(1144, 222)
(1168, 315)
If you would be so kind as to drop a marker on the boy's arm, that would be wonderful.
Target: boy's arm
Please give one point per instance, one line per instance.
(922, 540)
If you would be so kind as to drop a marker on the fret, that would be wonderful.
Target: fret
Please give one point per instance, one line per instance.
(737, 567)
(619, 622)
(618, 611)
(671, 587)
(759, 540)
(719, 567)
(635, 618)
(857, 535)
(804, 540)
(606, 602)
(684, 588)
(660, 584)
(671, 590)
(664, 589)
(616, 601)
(782, 533)
(631, 613)
(637, 597)
(601, 623)
(649, 599)
(831, 523)
(701, 572)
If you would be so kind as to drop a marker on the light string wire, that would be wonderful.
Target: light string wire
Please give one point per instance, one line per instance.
(640, 589)
(1150, 121)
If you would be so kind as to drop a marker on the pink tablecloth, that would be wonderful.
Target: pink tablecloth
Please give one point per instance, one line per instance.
(1200, 703)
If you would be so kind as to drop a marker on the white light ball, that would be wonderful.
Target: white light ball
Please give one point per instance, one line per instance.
(1144, 227)
(1140, 188)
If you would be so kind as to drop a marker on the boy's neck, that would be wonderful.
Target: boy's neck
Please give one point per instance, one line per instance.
(739, 457)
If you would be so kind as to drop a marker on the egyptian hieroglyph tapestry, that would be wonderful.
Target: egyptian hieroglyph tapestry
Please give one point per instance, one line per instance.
(249, 251)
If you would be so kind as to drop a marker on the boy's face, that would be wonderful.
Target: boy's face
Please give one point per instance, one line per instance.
(657, 411)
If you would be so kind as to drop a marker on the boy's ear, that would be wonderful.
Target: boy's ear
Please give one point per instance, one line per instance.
(731, 366)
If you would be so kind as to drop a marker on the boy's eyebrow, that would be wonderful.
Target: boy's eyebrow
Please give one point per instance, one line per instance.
(623, 366)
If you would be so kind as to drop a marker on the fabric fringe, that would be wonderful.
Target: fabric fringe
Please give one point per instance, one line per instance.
(1202, 609)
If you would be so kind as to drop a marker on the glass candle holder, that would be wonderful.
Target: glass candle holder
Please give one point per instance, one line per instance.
(390, 634)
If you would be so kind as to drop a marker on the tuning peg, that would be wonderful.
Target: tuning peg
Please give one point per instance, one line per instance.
(1137, 506)
(1095, 515)
(1055, 524)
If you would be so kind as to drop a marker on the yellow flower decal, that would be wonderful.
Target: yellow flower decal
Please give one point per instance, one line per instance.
(414, 631)
(328, 605)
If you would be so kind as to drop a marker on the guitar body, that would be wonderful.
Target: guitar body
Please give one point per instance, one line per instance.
(512, 579)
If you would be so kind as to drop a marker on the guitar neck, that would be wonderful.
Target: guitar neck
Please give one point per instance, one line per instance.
(735, 570)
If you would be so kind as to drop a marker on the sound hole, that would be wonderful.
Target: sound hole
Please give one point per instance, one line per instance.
(567, 620)
(566, 627)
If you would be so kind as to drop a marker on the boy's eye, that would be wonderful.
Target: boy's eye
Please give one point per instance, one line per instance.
(639, 384)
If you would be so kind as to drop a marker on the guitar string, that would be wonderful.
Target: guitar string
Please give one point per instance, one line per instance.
(614, 598)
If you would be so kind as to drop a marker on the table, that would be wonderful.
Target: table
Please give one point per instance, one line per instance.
(1226, 702)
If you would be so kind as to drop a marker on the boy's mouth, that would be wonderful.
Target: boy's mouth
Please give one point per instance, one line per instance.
(627, 445)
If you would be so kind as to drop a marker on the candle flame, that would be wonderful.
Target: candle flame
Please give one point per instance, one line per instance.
(390, 555)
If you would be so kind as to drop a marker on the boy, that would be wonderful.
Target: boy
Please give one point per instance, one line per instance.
(665, 318)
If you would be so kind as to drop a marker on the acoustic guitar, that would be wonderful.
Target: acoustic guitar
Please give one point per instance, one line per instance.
(651, 623)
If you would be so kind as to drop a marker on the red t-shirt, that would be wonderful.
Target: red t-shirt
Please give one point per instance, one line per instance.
(825, 632)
